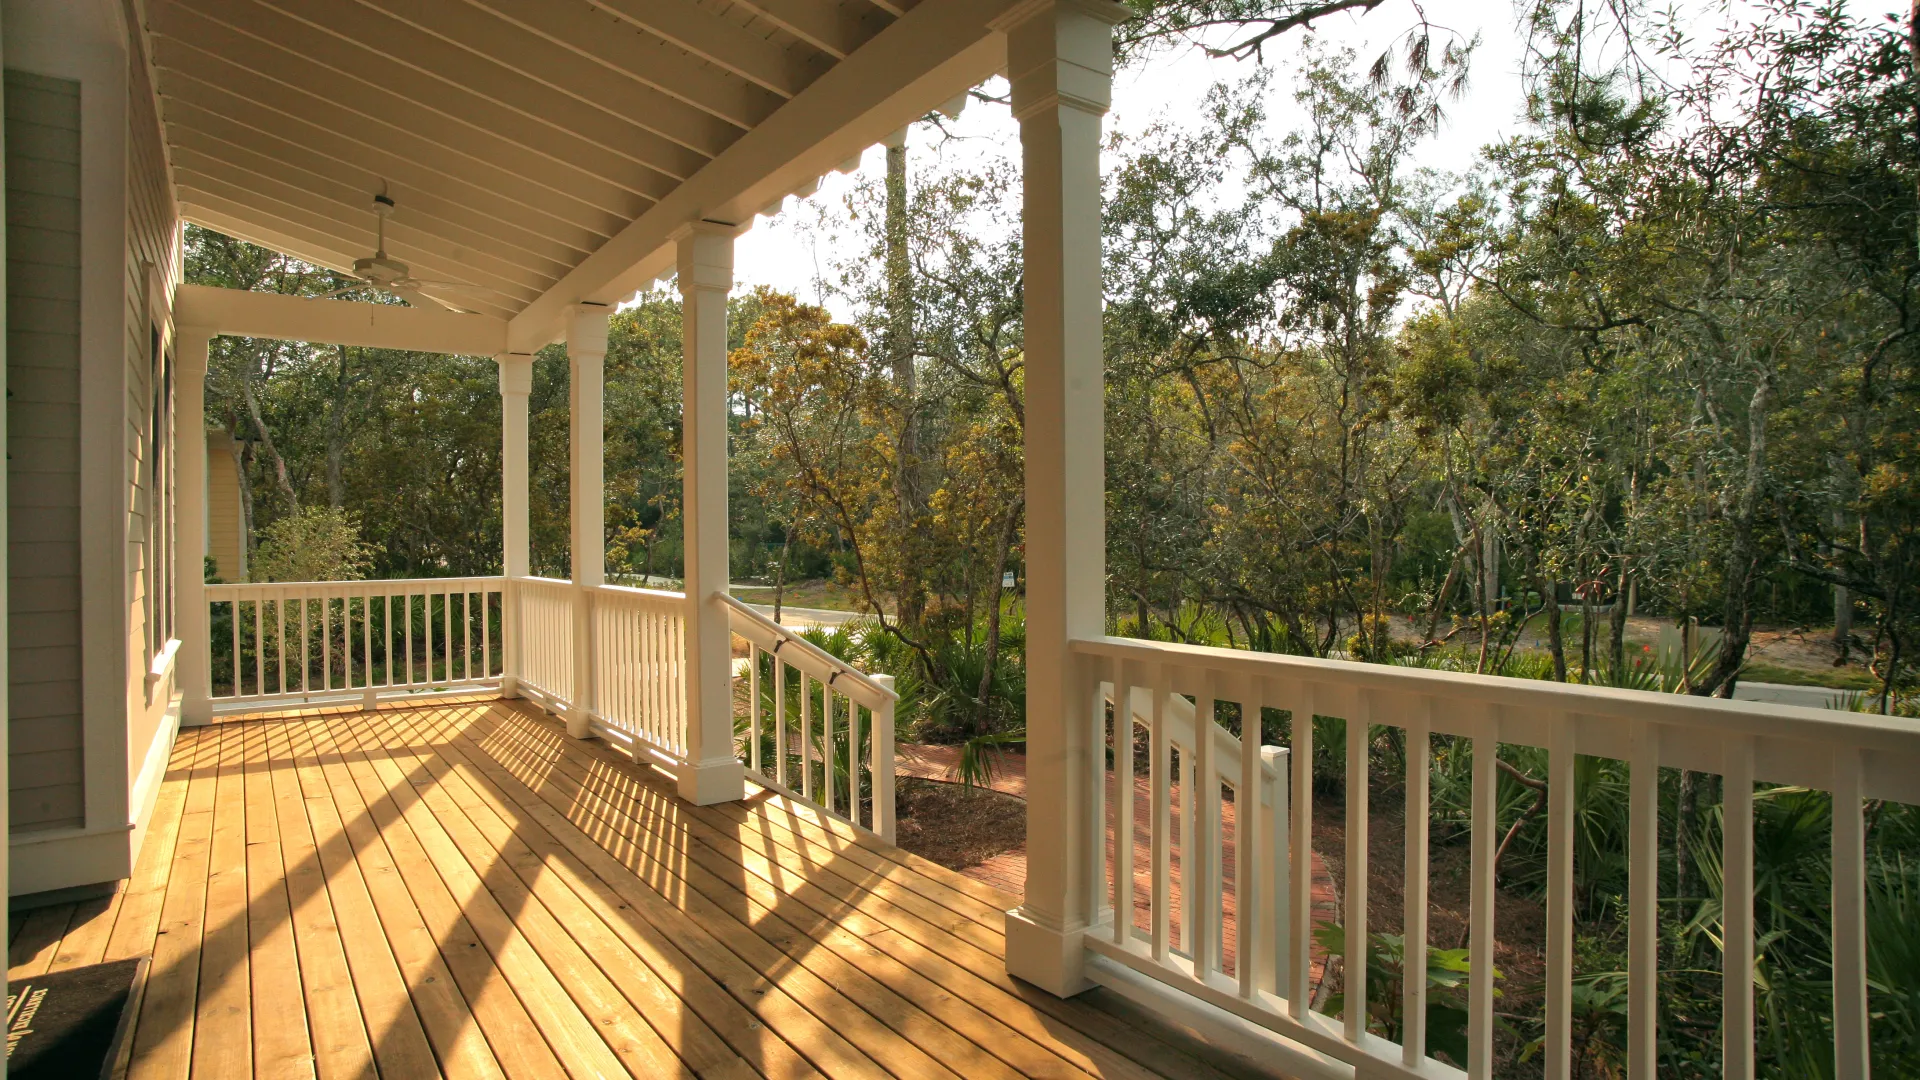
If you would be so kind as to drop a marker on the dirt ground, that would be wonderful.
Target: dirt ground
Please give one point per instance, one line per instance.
(1799, 653)
(956, 826)
(1520, 924)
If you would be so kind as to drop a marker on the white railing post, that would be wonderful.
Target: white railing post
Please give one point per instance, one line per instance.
(711, 772)
(516, 383)
(882, 763)
(1275, 895)
(195, 659)
(586, 359)
(1060, 65)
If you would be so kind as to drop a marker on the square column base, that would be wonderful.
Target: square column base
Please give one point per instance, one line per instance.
(195, 711)
(704, 783)
(509, 686)
(1051, 959)
(579, 723)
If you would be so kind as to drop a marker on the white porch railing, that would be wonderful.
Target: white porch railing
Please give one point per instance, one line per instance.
(542, 622)
(302, 642)
(804, 729)
(640, 650)
(1856, 757)
(810, 726)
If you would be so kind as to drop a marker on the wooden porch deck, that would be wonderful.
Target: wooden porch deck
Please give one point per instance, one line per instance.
(461, 890)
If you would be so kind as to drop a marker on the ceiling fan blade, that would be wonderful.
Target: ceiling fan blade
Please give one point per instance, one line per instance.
(345, 289)
(421, 299)
(455, 286)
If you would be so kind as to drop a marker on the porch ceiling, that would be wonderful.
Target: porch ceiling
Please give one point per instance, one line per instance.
(542, 151)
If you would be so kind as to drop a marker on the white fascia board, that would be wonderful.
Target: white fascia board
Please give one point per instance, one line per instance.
(337, 322)
(938, 49)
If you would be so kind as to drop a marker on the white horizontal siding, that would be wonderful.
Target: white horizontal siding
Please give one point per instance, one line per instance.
(43, 448)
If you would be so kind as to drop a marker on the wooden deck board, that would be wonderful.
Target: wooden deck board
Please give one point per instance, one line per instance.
(461, 890)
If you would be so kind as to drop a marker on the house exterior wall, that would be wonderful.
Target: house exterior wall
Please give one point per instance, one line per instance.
(43, 452)
(224, 534)
(99, 295)
(152, 269)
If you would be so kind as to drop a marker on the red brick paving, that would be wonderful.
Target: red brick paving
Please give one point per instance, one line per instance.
(1008, 870)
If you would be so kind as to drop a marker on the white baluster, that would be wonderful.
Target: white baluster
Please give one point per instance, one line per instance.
(1849, 920)
(1249, 828)
(1480, 935)
(1643, 900)
(1358, 944)
(1161, 776)
(1559, 1054)
(1300, 932)
(1413, 1001)
(1122, 803)
(1736, 892)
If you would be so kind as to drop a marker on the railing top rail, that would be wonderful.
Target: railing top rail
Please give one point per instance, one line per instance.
(535, 579)
(363, 584)
(648, 594)
(1867, 731)
(789, 640)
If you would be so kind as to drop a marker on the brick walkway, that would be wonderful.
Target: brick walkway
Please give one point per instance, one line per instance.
(1008, 870)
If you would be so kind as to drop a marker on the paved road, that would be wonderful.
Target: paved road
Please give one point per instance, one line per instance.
(1812, 697)
(795, 618)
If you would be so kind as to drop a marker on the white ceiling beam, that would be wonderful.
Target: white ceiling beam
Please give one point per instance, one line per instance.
(232, 95)
(337, 322)
(406, 241)
(546, 80)
(641, 56)
(328, 239)
(233, 118)
(402, 60)
(285, 55)
(939, 49)
(829, 27)
(714, 39)
(328, 181)
(206, 81)
(263, 235)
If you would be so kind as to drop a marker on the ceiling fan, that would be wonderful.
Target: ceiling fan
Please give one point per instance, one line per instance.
(386, 274)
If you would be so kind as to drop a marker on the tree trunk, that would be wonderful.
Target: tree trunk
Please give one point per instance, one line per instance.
(337, 432)
(780, 573)
(242, 451)
(1440, 598)
(281, 479)
(992, 644)
(1617, 626)
(1742, 559)
(899, 349)
(1556, 639)
(1587, 636)
(1842, 607)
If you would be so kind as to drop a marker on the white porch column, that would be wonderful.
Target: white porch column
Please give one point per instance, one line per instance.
(712, 773)
(195, 660)
(586, 363)
(1060, 63)
(516, 382)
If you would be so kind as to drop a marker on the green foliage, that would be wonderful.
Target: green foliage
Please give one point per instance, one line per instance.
(312, 544)
(1446, 971)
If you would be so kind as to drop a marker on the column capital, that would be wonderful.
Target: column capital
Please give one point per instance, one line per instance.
(516, 373)
(587, 330)
(1060, 53)
(704, 256)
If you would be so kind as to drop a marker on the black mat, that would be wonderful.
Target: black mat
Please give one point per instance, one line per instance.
(70, 1024)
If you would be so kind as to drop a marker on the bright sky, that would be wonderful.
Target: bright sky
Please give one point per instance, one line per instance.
(781, 251)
